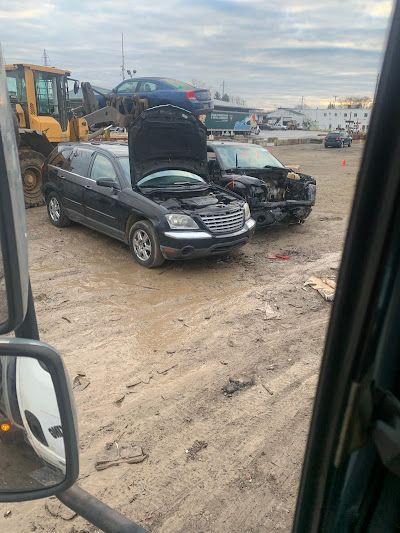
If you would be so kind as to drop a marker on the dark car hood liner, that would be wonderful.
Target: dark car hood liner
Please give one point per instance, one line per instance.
(167, 137)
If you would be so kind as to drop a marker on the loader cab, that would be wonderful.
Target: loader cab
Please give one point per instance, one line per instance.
(40, 96)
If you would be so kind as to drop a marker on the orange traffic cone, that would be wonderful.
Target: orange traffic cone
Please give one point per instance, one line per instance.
(344, 162)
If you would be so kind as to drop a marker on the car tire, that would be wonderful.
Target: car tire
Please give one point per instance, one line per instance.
(349, 143)
(31, 163)
(56, 211)
(326, 146)
(144, 244)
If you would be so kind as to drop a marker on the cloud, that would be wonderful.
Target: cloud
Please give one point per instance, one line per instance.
(269, 53)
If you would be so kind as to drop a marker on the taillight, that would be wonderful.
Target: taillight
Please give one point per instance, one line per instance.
(338, 138)
(191, 95)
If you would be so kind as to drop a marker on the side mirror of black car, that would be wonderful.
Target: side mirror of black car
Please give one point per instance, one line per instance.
(38, 436)
(107, 182)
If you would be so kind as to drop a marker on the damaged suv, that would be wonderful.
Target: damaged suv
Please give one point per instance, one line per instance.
(274, 192)
(153, 195)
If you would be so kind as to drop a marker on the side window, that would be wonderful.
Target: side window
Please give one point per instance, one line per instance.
(62, 159)
(148, 86)
(103, 168)
(128, 86)
(46, 85)
(79, 161)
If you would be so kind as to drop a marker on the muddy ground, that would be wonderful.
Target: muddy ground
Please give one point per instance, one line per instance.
(156, 348)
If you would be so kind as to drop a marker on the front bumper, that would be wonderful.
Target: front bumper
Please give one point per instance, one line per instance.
(197, 243)
(268, 213)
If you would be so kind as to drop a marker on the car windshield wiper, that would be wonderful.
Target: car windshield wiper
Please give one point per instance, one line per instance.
(187, 183)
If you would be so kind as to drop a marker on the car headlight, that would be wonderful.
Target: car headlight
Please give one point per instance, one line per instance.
(177, 221)
(247, 213)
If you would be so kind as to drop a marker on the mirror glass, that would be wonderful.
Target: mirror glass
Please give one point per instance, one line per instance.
(32, 452)
(3, 293)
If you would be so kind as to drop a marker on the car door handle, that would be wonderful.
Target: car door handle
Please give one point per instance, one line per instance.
(88, 186)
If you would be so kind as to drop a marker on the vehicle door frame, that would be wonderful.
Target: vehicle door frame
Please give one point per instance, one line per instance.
(78, 180)
(362, 339)
(91, 189)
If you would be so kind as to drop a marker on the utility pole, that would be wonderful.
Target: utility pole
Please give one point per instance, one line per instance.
(46, 59)
(302, 103)
(223, 87)
(335, 96)
(123, 57)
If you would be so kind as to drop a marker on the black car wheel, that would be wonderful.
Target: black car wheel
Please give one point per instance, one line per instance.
(144, 245)
(56, 211)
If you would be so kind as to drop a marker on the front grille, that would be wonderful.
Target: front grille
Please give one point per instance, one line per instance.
(224, 223)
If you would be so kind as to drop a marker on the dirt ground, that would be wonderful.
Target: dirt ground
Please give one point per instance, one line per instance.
(158, 346)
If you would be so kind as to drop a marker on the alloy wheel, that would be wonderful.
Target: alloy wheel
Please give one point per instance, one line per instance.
(142, 245)
(54, 209)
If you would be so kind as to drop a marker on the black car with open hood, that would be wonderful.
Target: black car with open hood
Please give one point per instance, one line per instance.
(167, 137)
(275, 193)
(153, 195)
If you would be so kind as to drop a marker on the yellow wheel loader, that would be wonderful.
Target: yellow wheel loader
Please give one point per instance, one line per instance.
(39, 96)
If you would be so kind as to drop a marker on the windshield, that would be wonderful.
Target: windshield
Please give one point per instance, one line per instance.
(246, 156)
(167, 178)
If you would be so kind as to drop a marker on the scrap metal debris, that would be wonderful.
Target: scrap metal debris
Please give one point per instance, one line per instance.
(197, 446)
(279, 256)
(324, 286)
(237, 383)
(271, 313)
(115, 454)
(80, 383)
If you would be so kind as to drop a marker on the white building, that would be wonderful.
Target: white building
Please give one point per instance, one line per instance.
(339, 118)
(323, 119)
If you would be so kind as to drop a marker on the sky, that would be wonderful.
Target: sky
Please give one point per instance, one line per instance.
(270, 53)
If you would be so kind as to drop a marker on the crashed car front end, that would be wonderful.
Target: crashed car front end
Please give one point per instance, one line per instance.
(275, 194)
(202, 222)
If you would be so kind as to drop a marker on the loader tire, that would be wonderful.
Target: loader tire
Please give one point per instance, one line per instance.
(31, 163)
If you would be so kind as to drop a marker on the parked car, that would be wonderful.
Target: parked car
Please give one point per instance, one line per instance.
(159, 202)
(338, 139)
(274, 192)
(159, 91)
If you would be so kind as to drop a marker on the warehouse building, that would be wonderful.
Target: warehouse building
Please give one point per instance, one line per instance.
(356, 119)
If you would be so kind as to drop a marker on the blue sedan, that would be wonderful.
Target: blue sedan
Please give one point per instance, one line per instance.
(160, 91)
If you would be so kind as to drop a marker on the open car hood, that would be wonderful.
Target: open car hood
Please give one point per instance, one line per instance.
(167, 137)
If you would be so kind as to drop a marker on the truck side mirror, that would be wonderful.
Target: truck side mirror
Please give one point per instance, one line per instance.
(38, 436)
(14, 278)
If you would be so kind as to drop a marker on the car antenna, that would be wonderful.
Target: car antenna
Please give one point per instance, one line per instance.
(236, 161)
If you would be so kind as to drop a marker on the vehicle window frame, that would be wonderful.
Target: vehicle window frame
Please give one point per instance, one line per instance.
(78, 149)
(143, 82)
(92, 160)
(124, 180)
(118, 91)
